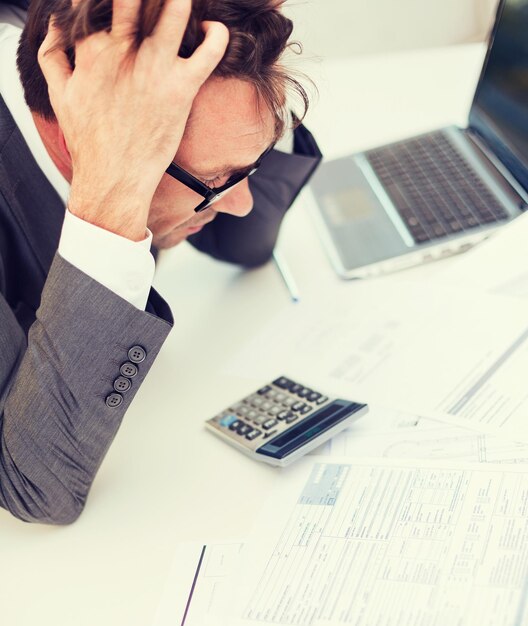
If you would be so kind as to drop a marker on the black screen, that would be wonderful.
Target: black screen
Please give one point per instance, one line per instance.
(310, 427)
(500, 108)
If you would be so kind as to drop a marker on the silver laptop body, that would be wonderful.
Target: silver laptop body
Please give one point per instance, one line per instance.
(440, 193)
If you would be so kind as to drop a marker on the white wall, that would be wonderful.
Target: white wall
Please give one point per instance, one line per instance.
(348, 27)
(485, 11)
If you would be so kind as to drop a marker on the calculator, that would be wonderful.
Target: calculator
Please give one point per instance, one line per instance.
(283, 420)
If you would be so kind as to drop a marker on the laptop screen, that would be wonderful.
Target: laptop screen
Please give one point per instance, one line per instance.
(500, 109)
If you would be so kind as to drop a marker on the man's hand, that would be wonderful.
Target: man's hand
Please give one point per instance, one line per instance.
(123, 110)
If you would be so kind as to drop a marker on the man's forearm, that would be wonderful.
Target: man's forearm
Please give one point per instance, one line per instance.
(59, 415)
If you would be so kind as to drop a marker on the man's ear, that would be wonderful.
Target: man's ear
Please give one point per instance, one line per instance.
(55, 144)
(63, 146)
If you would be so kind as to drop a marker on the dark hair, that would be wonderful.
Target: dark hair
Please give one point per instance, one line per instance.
(258, 35)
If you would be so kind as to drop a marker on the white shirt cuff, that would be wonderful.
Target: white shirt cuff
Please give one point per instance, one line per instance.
(125, 267)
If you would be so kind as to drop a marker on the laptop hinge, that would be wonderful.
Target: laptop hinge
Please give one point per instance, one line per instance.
(480, 145)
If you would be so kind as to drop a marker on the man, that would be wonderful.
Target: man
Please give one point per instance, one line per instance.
(139, 114)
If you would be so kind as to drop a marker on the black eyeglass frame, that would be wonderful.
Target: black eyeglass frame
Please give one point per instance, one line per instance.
(211, 195)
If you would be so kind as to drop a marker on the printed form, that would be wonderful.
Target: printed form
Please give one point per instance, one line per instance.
(390, 543)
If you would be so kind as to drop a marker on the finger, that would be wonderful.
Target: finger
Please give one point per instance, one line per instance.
(53, 60)
(172, 24)
(210, 52)
(125, 16)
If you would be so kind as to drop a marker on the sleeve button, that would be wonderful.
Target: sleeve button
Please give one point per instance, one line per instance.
(122, 384)
(114, 400)
(137, 354)
(128, 369)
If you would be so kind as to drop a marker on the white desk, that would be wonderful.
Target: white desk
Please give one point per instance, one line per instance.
(165, 478)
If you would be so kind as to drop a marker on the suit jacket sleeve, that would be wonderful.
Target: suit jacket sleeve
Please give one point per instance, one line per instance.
(249, 241)
(55, 424)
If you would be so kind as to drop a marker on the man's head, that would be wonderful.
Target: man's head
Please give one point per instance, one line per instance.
(236, 115)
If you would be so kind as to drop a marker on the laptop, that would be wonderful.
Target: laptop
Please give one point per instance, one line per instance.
(442, 192)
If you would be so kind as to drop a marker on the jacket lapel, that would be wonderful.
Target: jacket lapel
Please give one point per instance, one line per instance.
(31, 216)
(35, 207)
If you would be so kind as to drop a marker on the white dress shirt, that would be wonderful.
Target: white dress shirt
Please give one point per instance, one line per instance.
(123, 266)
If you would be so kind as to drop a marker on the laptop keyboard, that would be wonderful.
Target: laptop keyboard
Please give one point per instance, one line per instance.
(435, 190)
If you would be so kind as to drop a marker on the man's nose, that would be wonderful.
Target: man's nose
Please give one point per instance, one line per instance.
(238, 201)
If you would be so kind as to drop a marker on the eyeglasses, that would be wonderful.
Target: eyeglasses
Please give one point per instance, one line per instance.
(212, 195)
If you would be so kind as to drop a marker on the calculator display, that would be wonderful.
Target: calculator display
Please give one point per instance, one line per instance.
(304, 431)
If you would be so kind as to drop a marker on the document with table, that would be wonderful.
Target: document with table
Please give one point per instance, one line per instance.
(391, 543)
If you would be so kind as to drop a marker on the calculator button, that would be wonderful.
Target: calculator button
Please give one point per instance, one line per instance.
(298, 406)
(253, 434)
(284, 415)
(260, 419)
(280, 397)
(243, 411)
(234, 425)
(244, 429)
(257, 402)
(275, 410)
(269, 424)
(292, 418)
(295, 388)
(306, 409)
(289, 402)
(252, 415)
(283, 382)
(272, 394)
(227, 420)
(313, 396)
(267, 435)
(264, 390)
(321, 400)
(266, 406)
(304, 392)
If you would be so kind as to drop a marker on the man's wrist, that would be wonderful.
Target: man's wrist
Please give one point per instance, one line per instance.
(116, 210)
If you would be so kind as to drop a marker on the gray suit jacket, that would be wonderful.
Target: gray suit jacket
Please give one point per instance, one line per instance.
(64, 337)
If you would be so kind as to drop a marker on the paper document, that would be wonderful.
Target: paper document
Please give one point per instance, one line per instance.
(389, 543)
(378, 420)
(198, 590)
(497, 265)
(454, 355)
(432, 440)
